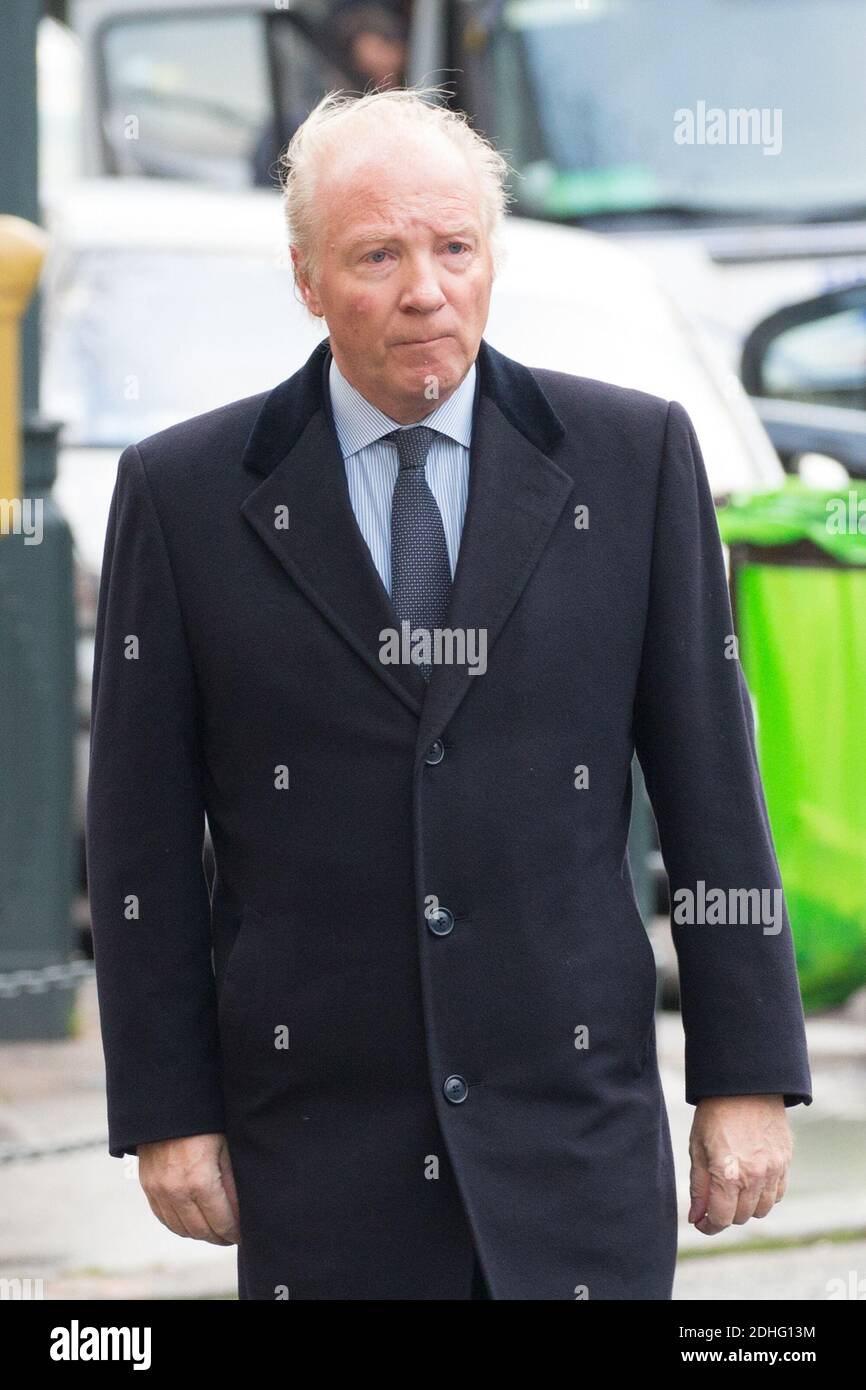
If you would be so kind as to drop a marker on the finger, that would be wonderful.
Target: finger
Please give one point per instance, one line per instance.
(767, 1199)
(747, 1202)
(229, 1184)
(699, 1191)
(708, 1227)
(720, 1209)
(194, 1218)
(214, 1201)
(165, 1214)
(217, 1213)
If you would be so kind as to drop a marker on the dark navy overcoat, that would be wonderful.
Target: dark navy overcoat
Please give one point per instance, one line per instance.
(419, 999)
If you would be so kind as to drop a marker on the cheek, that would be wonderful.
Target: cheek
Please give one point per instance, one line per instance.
(481, 303)
(474, 290)
(361, 308)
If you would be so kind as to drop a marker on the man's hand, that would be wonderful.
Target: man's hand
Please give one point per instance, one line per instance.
(191, 1188)
(740, 1148)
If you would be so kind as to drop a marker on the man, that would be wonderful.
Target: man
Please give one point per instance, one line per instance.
(373, 38)
(371, 46)
(397, 627)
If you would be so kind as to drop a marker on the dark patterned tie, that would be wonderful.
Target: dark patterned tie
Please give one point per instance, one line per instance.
(420, 569)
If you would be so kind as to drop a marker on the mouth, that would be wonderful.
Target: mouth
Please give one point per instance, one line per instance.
(422, 342)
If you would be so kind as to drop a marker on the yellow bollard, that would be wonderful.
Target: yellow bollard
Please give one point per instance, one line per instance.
(22, 252)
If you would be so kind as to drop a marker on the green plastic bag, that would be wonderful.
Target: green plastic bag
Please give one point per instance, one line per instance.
(802, 642)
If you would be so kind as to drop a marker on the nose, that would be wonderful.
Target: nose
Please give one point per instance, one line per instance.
(422, 290)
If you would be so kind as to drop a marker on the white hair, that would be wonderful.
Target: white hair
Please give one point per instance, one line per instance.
(343, 120)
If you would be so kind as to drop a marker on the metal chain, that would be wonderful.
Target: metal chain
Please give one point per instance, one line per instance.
(62, 976)
(16, 1153)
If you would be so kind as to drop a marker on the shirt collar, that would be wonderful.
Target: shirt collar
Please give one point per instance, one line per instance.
(359, 423)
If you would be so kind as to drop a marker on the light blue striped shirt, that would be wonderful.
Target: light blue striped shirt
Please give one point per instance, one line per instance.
(372, 466)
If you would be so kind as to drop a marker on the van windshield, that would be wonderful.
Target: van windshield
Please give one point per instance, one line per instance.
(673, 108)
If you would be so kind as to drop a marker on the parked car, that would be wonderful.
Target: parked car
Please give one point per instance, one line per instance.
(805, 366)
(163, 299)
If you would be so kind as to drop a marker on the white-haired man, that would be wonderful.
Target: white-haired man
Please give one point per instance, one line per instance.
(423, 1065)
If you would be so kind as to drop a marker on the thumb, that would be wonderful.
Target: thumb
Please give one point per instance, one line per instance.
(699, 1189)
(228, 1180)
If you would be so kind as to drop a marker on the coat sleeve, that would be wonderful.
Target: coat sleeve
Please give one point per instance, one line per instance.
(694, 734)
(149, 901)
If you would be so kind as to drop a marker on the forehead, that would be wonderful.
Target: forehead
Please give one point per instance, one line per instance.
(402, 191)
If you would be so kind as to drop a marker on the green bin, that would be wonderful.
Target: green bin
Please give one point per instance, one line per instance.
(798, 591)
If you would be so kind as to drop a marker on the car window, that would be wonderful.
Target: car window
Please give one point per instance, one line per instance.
(189, 95)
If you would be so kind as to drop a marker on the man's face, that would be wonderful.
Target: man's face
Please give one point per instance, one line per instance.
(405, 274)
(379, 58)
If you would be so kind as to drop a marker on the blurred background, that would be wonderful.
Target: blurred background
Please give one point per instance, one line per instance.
(688, 217)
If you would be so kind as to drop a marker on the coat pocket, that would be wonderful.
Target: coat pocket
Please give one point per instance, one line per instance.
(649, 992)
(256, 976)
(248, 952)
(229, 968)
(644, 973)
(255, 1011)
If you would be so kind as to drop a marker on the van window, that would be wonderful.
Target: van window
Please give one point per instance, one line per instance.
(189, 95)
(671, 109)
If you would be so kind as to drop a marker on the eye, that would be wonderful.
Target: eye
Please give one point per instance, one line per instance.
(376, 253)
(461, 245)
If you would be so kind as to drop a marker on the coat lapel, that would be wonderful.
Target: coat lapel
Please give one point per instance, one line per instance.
(294, 444)
(516, 495)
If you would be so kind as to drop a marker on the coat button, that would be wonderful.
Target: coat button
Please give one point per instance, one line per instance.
(441, 922)
(435, 753)
(455, 1089)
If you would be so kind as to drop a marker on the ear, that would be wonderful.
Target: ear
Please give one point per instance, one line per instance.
(308, 294)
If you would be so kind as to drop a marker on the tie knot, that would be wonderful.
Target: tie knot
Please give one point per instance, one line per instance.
(413, 444)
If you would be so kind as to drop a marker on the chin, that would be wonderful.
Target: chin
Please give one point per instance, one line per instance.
(441, 358)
